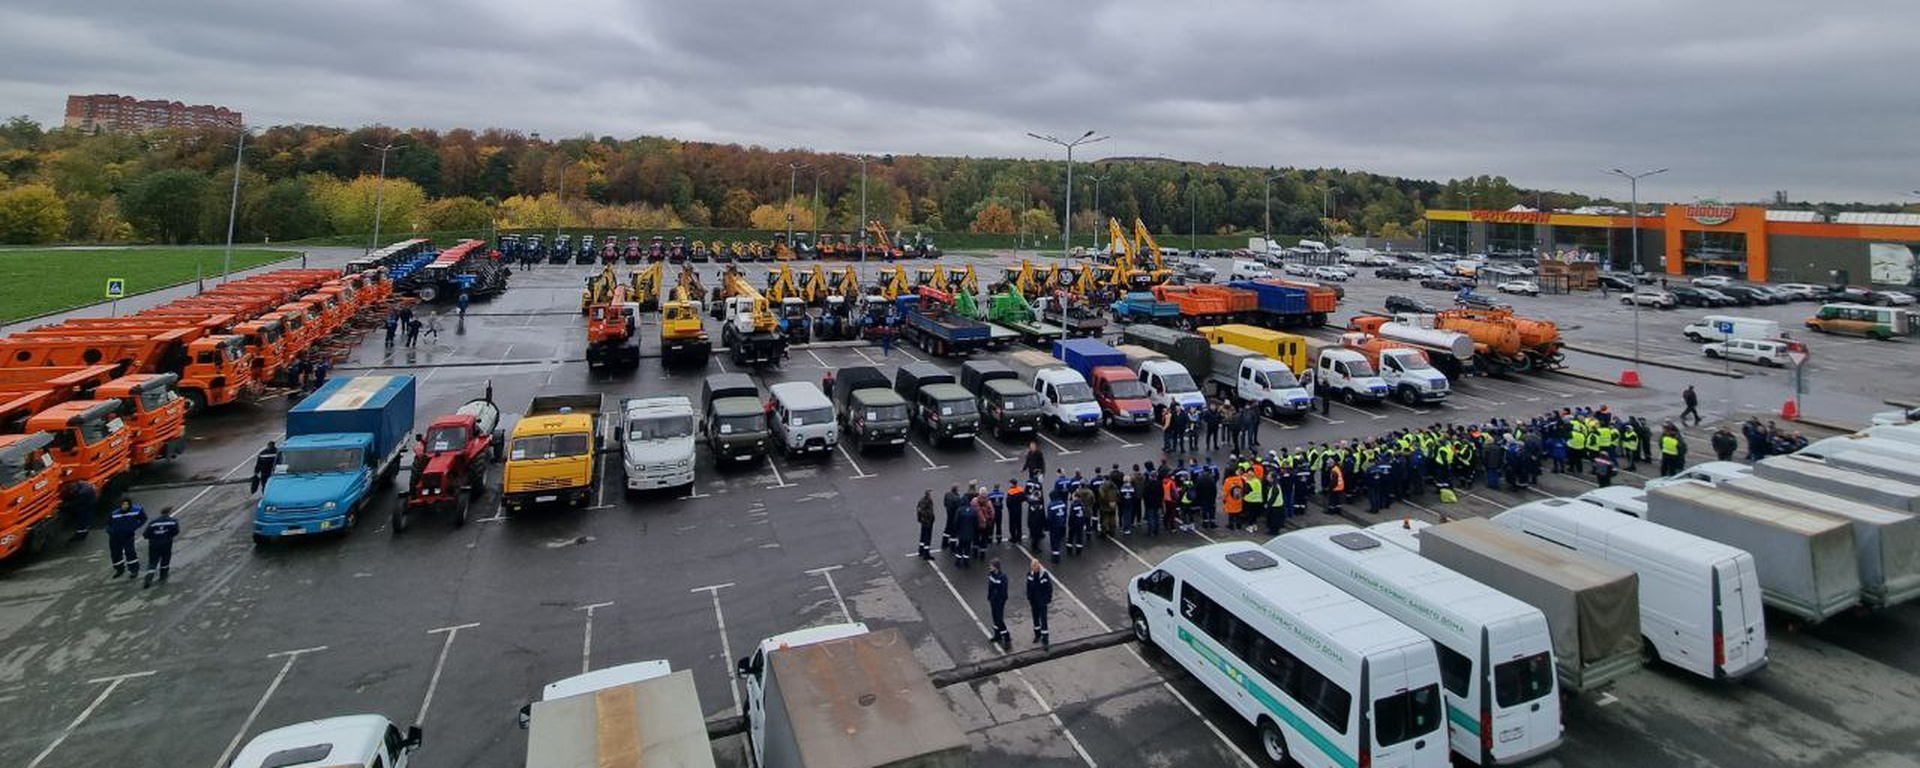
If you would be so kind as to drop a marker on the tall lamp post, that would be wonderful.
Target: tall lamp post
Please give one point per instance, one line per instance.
(1066, 242)
(233, 206)
(793, 170)
(1266, 212)
(559, 201)
(861, 225)
(379, 187)
(1631, 376)
(815, 208)
(1096, 211)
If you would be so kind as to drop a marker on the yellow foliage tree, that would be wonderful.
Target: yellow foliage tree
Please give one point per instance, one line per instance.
(349, 205)
(773, 217)
(638, 216)
(993, 219)
(543, 211)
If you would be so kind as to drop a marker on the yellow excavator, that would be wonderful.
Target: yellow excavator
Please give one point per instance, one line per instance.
(837, 299)
(750, 330)
(683, 336)
(780, 284)
(882, 244)
(963, 280)
(930, 277)
(646, 285)
(1148, 251)
(598, 287)
(893, 283)
(1026, 280)
(815, 285)
(785, 297)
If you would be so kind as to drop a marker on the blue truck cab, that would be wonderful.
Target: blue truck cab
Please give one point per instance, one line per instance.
(342, 440)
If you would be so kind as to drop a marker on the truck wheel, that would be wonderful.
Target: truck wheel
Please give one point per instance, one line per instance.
(37, 537)
(1408, 396)
(1273, 743)
(460, 508)
(400, 520)
(196, 401)
(259, 540)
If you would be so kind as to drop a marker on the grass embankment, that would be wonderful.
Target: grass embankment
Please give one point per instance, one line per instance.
(38, 281)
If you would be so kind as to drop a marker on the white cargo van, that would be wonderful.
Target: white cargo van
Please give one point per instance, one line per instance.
(1249, 270)
(351, 740)
(1327, 679)
(1724, 327)
(1480, 634)
(1625, 500)
(1700, 604)
(1346, 374)
(803, 419)
(1757, 352)
(656, 442)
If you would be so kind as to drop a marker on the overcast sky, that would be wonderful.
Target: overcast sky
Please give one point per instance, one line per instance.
(1739, 97)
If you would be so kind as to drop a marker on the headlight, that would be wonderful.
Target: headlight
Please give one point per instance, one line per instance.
(329, 505)
(270, 509)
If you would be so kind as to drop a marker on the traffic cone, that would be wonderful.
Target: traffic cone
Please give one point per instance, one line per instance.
(1790, 411)
(1630, 377)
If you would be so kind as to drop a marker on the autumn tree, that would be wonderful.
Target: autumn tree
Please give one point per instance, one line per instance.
(736, 210)
(32, 213)
(455, 214)
(289, 211)
(349, 206)
(1039, 222)
(993, 219)
(797, 213)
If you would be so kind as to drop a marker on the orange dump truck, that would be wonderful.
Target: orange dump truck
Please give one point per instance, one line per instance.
(90, 442)
(155, 416)
(213, 369)
(29, 491)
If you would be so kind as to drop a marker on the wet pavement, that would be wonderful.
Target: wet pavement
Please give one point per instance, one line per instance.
(456, 628)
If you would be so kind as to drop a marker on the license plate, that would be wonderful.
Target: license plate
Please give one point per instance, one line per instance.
(545, 499)
(897, 440)
(1736, 652)
(292, 531)
(1026, 427)
(811, 449)
(1512, 734)
(962, 435)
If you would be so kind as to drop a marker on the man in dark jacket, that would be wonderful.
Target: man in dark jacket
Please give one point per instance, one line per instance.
(263, 463)
(997, 600)
(81, 496)
(122, 526)
(1039, 596)
(160, 535)
(1494, 459)
(1724, 444)
(1692, 402)
(966, 523)
(951, 502)
(923, 514)
(1035, 463)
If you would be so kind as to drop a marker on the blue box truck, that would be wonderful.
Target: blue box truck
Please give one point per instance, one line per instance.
(342, 441)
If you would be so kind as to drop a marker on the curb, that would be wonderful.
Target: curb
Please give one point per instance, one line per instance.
(1699, 369)
(1837, 426)
(1593, 377)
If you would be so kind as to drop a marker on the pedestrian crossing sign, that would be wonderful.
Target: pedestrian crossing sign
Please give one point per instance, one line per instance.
(116, 287)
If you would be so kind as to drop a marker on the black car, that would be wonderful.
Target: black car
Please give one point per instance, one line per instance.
(1617, 283)
(1397, 304)
(1472, 300)
(1689, 296)
(1446, 283)
(1747, 295)
(1394, 273)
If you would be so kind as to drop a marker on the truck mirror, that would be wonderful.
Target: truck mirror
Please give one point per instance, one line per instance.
(412, 742)
(619, 434)
(743, 667)
(526, 715)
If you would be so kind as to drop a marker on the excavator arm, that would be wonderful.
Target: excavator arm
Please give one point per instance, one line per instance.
(1145, 244)
(780, 285)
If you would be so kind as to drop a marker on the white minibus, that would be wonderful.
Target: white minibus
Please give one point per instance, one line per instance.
(1329, 681)
(1699, 599)
(1496, 653)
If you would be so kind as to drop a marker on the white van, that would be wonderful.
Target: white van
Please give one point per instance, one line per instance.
(1249, 270)
(1709, 472)
(803, 420)
(1699, 599)
(1768, 353)
(1481, 635)
(1724, 327)
(1347, 374)
(1068, 401)
(335, 742)
(1625, 500)
(1327, 679)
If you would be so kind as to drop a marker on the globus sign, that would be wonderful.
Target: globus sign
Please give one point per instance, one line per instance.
(1710, 215)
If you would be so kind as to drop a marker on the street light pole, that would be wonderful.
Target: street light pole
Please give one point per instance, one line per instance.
(814, 209)
(1266, 213)
(1096, 211)
(861, 225)
(233, 206)
(559, 202)
(379, 187)
(1066, 241)
(793, 170)
(1193, 217)
(1633, 185)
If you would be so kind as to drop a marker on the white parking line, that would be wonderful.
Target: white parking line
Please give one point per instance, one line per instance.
(816, 358)
(901, 348)
(863, 355)
(1064, 451)
(925, 458)
(291, 656)
(1554, 392)
(776, 475)
(112, 683)
(1019, 673)
(586, 641)
(863, 474)
(1458, 393)
(1124, 443)
(726, 648)
(997, 455)
(433, 682)
(826, 572)
(1367, 414)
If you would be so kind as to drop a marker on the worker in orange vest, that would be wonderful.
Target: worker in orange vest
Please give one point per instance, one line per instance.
(1234, 490)
(1336, 485)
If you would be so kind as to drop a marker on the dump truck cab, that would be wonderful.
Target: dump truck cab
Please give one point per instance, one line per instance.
(90, 441)
(29, 491)
(156, 414)
(551, 455)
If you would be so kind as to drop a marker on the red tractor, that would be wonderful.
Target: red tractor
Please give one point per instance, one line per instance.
(450, 461)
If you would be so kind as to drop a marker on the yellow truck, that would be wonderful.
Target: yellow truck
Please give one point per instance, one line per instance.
(1284, 347)
(553, 454)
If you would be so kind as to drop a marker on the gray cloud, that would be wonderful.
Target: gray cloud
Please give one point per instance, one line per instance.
(1739, 98)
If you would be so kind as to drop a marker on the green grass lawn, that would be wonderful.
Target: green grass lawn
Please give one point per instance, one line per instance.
(38, 281)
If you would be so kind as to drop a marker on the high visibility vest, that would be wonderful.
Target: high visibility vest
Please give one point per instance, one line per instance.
(1578, 441)
(1669, 445)
(1604, 437)
(1256, 493)
(1630, 438)
(1339, 481)
(1236, 487)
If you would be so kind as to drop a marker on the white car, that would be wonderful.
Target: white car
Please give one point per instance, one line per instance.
(1527, 287)
(1711, 281)
(1420, 271)
(1646, 298)
(1756, 351)
(1801, 291)
(1335, 274)
(1297, 269)
(1907, 416)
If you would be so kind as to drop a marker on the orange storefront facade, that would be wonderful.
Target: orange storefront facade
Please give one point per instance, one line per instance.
(1746, 242)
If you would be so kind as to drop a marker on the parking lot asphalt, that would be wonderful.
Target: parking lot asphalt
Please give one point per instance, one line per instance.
(456, 628)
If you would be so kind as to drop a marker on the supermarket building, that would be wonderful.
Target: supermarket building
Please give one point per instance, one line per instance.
(1746, 242)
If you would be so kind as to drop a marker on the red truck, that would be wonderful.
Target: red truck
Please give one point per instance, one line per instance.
(450, 461)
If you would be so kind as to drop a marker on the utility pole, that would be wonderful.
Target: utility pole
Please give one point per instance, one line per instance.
(1266, 214)
(559, 200)
(1632, 377)
(793, 169)
(861, 225)
(379, 187)
(816, 210)
(1096, 211)
(1193, 217)
(233, 206)
(1066, 240)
